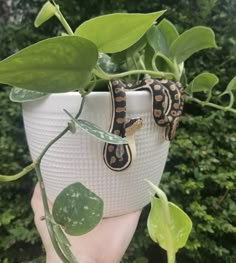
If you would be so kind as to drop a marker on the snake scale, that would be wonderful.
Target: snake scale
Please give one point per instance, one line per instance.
(167, 107)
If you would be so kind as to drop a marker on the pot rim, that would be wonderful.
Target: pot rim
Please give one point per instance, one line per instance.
(136, 101)
(73, 93)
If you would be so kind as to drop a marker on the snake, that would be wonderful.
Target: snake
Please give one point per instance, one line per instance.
(119, 156)
(167, 107)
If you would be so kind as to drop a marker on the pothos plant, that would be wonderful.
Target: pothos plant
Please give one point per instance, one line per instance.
(115, 46)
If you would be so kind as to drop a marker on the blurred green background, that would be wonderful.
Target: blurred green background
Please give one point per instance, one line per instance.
(200, 174)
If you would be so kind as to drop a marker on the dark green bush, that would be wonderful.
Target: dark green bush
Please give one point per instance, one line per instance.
(201, 170)
(17, 232)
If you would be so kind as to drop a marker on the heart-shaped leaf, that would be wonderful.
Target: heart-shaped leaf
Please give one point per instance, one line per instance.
(47, 11)
(77, 209)
(116, 32)
(54, 65)
(171, 235)
(191, 41)
(97, 132)
(23, 95)
(203, 82)
(167, 224)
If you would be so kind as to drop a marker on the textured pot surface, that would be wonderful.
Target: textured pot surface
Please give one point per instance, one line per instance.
(79, 157)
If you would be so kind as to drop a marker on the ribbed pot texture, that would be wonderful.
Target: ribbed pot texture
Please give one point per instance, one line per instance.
(79, 157)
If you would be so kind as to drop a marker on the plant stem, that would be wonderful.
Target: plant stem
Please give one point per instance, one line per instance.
(48, 216)
(158, 74)
(9, 178)
(60, 134)
(170, 256)
(62, 19)
(205, 103)
(141, 71)
(63, 251)
(51, 143)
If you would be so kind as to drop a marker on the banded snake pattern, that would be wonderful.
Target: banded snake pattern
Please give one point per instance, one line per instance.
(167, 107)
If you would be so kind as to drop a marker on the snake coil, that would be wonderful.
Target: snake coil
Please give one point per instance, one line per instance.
(167, 107)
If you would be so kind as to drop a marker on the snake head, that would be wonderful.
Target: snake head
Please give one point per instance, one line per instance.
(132, 125)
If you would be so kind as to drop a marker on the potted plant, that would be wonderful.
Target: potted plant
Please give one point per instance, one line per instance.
(54, 80)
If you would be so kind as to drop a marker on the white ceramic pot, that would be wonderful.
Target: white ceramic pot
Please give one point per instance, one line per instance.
(79, 157)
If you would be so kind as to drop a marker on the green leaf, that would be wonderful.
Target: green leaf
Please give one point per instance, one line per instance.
(54, 65)
(161, 36)
(77, 209)
(157, 41)
(23, 95)
(169, 31)
(116, 32)
(191, 41)
(97, 132)
(232, 85)
(203, 82)
(172, 235)
(47, 11)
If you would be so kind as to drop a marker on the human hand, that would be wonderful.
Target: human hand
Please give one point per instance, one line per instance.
(106, 243)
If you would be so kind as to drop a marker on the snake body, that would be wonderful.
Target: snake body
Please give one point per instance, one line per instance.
(167, 102)
(119, 157)
(167, 106)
